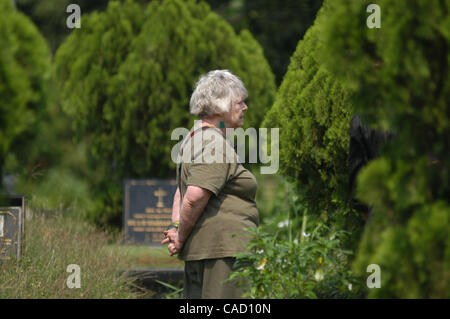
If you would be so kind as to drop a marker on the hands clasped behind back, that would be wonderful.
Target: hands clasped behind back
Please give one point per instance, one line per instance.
(171, 238)
(193, 204)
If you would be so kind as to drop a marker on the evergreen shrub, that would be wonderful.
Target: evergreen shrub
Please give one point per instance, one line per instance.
(24, 65)
(313, 111)
(400, 77)
(126, 79)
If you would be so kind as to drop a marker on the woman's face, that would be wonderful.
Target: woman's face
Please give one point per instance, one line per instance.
(235, 118)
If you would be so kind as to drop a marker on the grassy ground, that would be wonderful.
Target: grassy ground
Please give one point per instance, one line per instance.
(147, 257)
(52, 243)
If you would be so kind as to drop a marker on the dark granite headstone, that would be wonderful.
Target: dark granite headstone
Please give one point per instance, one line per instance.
(12, 227)
(147, 210)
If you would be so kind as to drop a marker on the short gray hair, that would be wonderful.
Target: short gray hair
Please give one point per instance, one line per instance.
(215, 91)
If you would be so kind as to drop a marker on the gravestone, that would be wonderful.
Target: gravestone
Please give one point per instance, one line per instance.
(147, 210)
(12, 227)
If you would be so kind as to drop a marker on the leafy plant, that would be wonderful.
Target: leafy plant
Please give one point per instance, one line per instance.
(177, 292)
(310, 265)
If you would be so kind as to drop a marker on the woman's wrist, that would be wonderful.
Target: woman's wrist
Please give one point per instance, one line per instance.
(180, 239)
(174, 225)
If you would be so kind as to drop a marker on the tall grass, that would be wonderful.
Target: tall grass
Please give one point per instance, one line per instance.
(52, 242)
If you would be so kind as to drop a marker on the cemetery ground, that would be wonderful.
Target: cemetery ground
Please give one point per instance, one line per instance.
(55, 240)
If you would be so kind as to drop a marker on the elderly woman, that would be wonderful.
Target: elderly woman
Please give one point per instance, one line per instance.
(215, 199)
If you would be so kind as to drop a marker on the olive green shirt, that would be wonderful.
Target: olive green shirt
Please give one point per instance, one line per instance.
(219, 231)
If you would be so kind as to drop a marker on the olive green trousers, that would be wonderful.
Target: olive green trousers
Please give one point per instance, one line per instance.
(204, 279)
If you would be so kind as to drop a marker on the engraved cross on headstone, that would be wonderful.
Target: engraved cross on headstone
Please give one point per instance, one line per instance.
(160, 193)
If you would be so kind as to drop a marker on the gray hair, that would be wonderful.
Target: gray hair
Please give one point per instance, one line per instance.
(214, 92)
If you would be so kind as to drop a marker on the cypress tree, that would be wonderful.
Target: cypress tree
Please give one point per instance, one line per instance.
(127, 76)
(401, 82)
(313, 111)
(24, 64)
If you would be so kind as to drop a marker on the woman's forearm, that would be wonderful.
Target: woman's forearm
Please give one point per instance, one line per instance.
(176, 206)
(194, 202)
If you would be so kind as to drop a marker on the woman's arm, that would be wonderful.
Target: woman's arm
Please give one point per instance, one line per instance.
(194, 202)
(176, 206)
(169, 235)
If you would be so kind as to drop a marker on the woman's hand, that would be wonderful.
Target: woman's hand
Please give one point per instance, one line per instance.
(193, 205)
(171, 237)
(175, 247)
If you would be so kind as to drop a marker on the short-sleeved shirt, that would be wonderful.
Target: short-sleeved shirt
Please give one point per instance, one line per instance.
(214, 165)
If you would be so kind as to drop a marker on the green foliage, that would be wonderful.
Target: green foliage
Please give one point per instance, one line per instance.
(59, 187)
(127, 76)
(295, 255)
(270, 196)
(24, 64)
(55, 171)
(278, 28)
(50, 16)
(400, 78)
(313, 112)
(312, 265)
